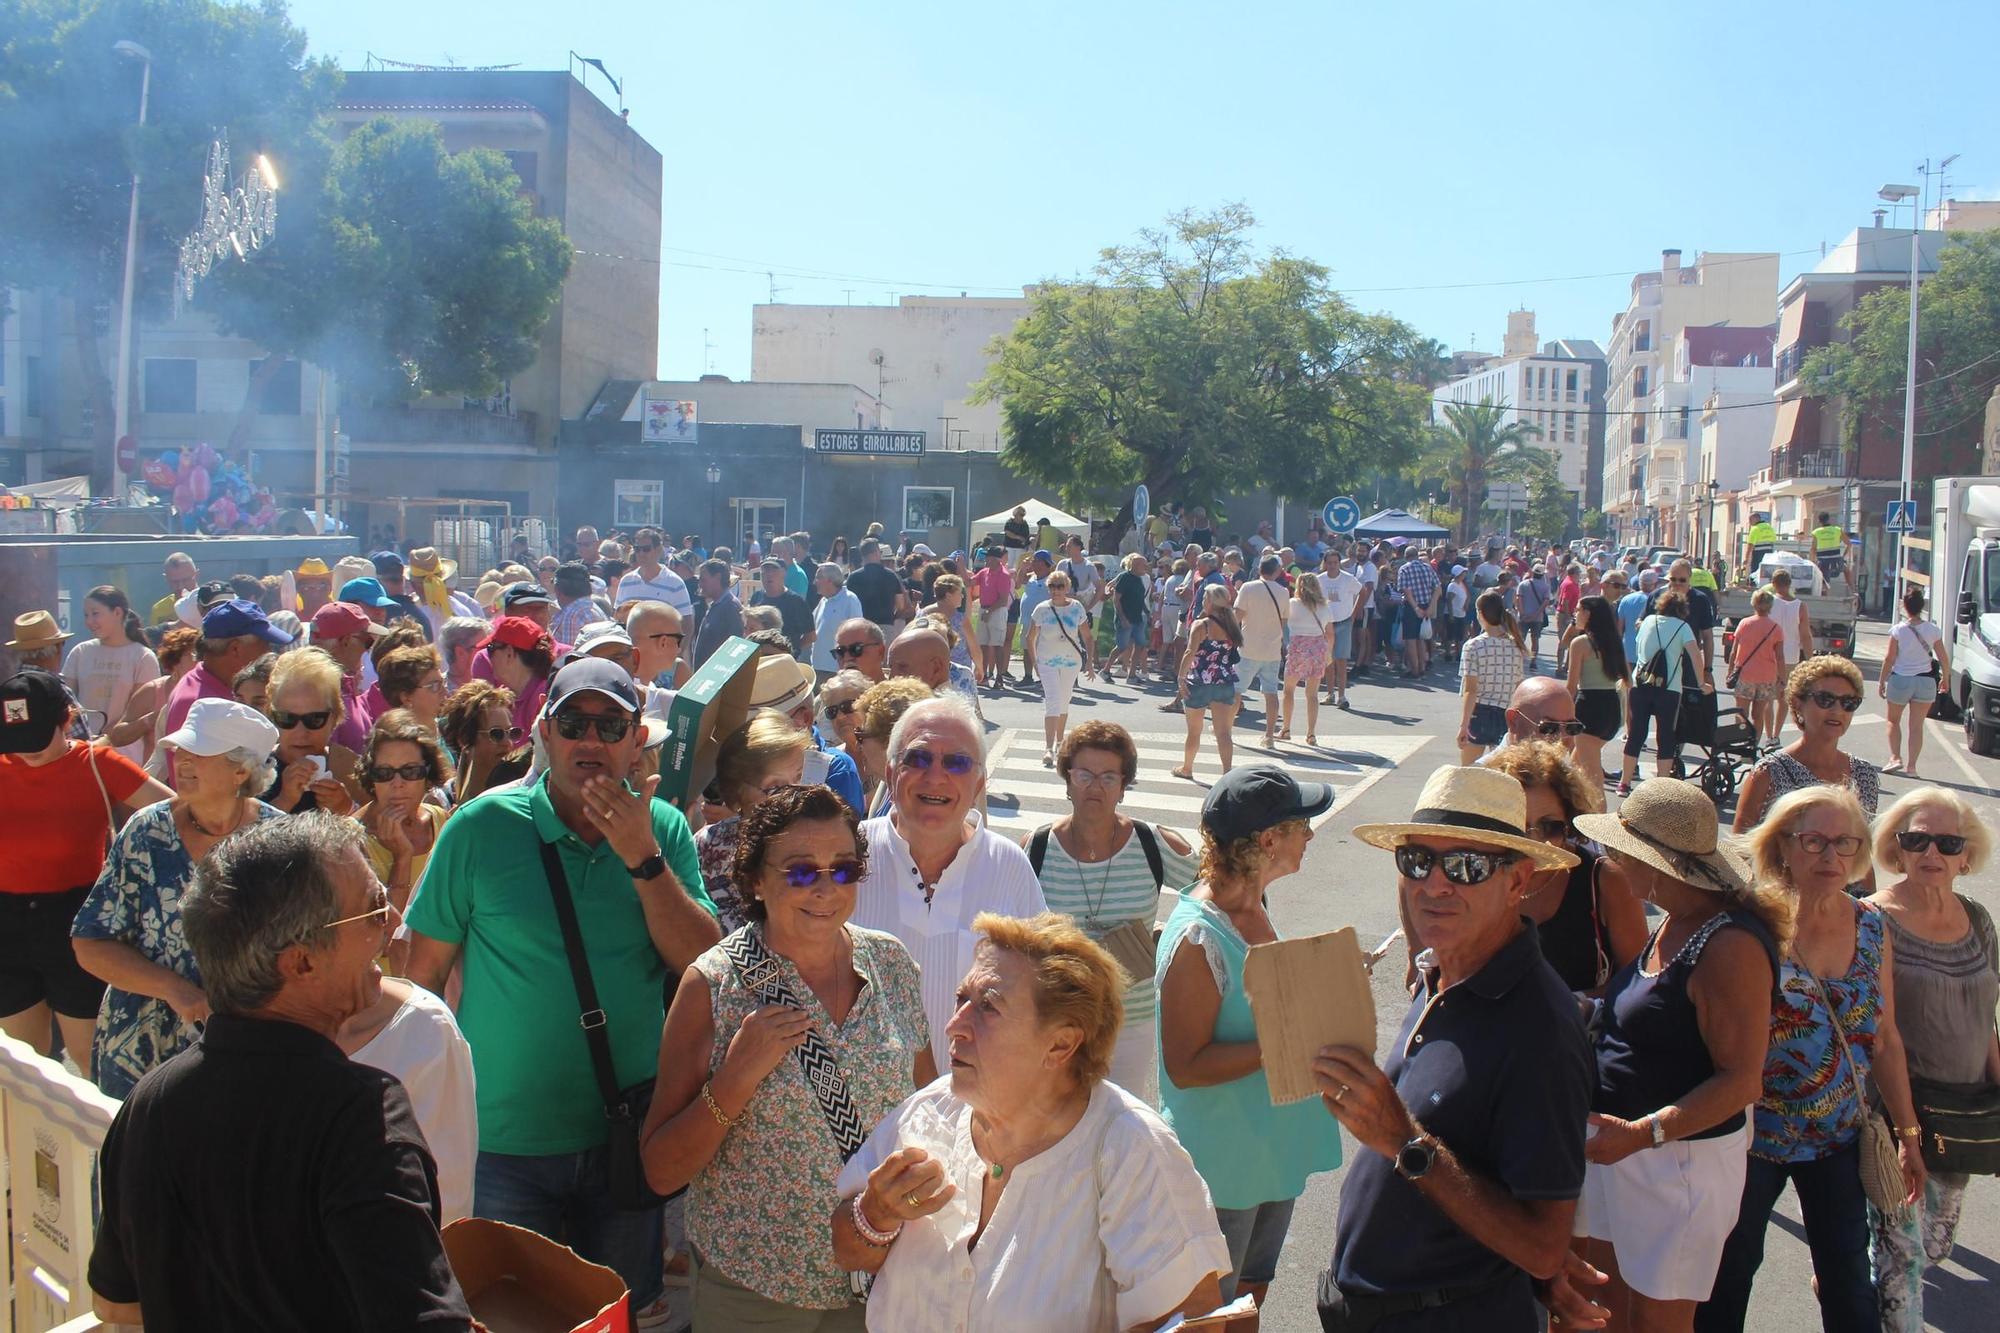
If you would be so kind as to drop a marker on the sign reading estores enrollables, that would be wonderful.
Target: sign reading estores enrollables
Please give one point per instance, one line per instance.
(868, 441)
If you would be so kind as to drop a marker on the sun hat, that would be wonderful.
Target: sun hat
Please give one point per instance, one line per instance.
(35, 630)
(1250, 799)
(1673, 827)
(337, 620)
(1477, 804)
(352, 567)
(487, 595)
(32, 705)
(217, 726)
(426, 561)
(312, 567)
(782, 683)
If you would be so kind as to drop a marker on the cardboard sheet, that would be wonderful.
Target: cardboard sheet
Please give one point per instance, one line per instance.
(519, 1282)
(712, 704)
(1305, 994)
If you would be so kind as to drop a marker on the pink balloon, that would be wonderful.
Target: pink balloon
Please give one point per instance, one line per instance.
(184, 501)
(222, 514)
(196, 480)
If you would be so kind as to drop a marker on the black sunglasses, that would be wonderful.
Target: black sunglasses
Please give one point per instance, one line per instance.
(310, 721)
(832, 711)
(610, 730)
(843, 873)
(1847, 703)
(407, 772)
(1570, 728)
(1551, 829)
(1460, 867)
(503, 734)
(1951, 844)
(851, 649)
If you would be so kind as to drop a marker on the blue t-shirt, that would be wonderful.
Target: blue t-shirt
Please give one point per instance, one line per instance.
(1631, 610)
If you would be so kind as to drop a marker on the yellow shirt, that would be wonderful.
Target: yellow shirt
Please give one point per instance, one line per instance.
(384, 860)
(1828, 539)
(163, 612)
(1051, 538)
(1762, 535)
(1702, 578)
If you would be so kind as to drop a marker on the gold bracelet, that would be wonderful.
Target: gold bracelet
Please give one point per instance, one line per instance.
(715, 1108)
(1914, 1132)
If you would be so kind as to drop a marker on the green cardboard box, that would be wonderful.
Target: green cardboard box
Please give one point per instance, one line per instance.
(712, 704)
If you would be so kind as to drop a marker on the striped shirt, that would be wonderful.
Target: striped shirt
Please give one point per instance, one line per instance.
(1101, 894)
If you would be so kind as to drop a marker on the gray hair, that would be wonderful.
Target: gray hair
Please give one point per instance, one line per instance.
(458, 629)
(952, 705)
(841, 681)
(829, 570)
(261, 891)
(259, 770)
(764, 617)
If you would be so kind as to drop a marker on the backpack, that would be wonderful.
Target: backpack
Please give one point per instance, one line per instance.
(1149, 843)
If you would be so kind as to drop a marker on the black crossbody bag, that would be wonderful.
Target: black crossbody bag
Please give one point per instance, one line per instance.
(624, 1108)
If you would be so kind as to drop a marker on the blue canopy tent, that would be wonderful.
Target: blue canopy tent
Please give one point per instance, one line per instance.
(1399, 523)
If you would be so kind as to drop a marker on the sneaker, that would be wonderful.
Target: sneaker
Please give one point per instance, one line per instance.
(661, 1317)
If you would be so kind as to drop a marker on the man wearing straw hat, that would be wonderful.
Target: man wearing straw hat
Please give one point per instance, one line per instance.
(1475, 1123)
(313, 580)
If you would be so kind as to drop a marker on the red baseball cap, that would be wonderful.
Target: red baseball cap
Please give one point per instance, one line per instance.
(337, 620)
(518, 632)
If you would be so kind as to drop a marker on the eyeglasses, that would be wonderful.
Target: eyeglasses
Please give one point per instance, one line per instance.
(1552, 829)
(407, 772)
(503, 735)
(1815, 844)
(1951, 844)
(1847, 703)
(852, 649)
(310, 721)
(435, 685)
(1552, 728)
(378, 913)
(1460, 867)
(675, 635)
(646, 546)
(843, 873)
(832, 711)
(921, 760)
(1108, 778)
(610, 730)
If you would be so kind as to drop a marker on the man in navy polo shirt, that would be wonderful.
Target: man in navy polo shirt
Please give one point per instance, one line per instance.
(1462, 1206)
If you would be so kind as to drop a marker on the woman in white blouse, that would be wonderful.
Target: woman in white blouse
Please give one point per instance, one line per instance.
(1025, 1192)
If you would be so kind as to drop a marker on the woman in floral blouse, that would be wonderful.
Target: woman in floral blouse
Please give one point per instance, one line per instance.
(763, 755)
(734, 1115)
(128, 931)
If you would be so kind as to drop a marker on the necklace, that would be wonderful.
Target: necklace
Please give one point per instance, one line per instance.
(207, 832)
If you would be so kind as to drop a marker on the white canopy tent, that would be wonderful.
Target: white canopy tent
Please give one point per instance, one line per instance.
(1037, 511)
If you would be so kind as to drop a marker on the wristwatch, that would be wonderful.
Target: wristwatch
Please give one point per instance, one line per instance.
(1659, 1130)
(652, 867)
(1414, 1158)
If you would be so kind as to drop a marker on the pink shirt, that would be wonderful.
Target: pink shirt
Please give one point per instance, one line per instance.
(200, 683)
(1568, 594)
(994, 586)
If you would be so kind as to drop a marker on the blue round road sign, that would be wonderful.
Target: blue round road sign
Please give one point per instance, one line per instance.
(1142, 503)
(1341, 514)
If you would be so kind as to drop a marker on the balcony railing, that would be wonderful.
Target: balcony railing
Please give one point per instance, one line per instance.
(1813, 464)
(439, 425)
(1789, 360)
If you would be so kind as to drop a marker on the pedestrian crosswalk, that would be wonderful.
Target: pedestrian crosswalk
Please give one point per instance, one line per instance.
(1021, 795)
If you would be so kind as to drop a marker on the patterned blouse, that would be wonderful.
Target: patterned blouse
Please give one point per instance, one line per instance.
(1809, 1108)
(1213, 662)
(715, 845)
(137, 901)
(758, 1210)
(1789, 775)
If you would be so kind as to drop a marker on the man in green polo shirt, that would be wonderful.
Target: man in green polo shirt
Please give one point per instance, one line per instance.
(644, 915)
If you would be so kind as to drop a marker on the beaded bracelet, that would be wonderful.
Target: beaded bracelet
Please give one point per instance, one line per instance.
(715, 1108)
(881, 1240)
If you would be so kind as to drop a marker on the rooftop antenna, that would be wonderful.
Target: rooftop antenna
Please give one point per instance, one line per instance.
(772, 279)
(849, 291)
(707, 354)
(590, 63)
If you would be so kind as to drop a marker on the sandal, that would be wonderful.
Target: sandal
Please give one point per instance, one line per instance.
(1312, 739)
(1182, 773)
(1284, 735)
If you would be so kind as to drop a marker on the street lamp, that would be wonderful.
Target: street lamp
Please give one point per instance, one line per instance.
(714, 475)
(121, 394)
(1895, 194)
(1713, 487)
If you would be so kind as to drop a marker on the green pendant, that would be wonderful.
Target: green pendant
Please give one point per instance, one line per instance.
(998, 1170)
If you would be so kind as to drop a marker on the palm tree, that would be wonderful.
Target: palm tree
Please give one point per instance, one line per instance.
(1476, 445)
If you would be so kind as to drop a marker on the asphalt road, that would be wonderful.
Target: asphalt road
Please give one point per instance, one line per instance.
(1378, 757)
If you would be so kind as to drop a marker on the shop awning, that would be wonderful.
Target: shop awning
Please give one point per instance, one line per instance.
(1791, 323)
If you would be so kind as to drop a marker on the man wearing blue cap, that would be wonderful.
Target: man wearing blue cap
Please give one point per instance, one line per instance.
(390, 574)
(371, 597)
(234, 634)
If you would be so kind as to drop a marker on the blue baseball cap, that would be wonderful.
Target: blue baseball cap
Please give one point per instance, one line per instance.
(1046, 557)
(237, 618)
(384, 561)
(366, 592)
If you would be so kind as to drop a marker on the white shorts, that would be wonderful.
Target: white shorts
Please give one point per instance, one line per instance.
(993, 628)
(1666, 1212)
(1058, 683)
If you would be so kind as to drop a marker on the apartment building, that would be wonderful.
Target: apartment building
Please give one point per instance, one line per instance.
(1556, 388)
(1642, 357)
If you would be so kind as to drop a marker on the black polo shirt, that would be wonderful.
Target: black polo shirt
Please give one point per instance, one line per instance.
(1496, 1068)
(262, 1181)
(877, 586)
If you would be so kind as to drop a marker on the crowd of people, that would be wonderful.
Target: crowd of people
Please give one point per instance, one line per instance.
(355, 889)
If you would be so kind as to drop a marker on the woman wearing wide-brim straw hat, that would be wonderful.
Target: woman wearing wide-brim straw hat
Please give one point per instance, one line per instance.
(1680, 1043)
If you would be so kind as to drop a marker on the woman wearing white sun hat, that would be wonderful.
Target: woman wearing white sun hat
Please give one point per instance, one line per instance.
(1680, 1044)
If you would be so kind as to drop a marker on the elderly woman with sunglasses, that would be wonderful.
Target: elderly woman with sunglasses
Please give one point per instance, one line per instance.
(1823, 694)
(314, 773)
(1833, 1032)
(401, 766)
(1590, 922)
(838, 705)
(764, 755)
(480, 738)
(742, 1114)
(1947, 980)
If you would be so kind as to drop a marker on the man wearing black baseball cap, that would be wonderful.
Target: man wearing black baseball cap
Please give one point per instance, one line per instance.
(627, 863)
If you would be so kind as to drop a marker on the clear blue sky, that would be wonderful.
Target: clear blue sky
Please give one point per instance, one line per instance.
(1473, 158)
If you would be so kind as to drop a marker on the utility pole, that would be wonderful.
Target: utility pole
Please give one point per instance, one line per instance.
(944, 436)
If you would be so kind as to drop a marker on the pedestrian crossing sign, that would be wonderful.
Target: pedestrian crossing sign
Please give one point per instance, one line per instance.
(1902, 517)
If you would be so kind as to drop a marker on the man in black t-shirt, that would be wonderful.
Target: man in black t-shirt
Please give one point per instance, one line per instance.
(878, 587)
(795, 615)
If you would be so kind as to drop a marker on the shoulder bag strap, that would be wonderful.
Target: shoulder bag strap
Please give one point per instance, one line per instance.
(592, 1019)
(763, 977)
(1839, 1034)
(1038, 848)
(1150, 845)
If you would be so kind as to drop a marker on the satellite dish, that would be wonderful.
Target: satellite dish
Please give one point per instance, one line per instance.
(875, 357)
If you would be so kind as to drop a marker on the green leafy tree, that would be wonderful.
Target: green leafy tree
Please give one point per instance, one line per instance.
(1958, 355)
(1475, 445)
(1549, 501)
(1191, 364)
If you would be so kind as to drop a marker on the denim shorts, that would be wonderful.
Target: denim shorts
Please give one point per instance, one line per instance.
(1343, 640)
(1131, 634)
(1201, 696)
(1921, 689)
(1255, 1237)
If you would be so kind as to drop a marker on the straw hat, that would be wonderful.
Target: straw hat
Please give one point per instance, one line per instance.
(487, 595)
(426, 561)
(1476, 805)
(351, 567)
(312, 567)
(34, 631)
(1672, 826)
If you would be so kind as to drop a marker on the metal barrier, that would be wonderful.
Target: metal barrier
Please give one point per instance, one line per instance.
(54, 1123)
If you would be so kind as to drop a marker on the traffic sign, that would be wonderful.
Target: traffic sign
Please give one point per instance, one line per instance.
(1341, 514)
(1902, 518)
(1142, 503)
